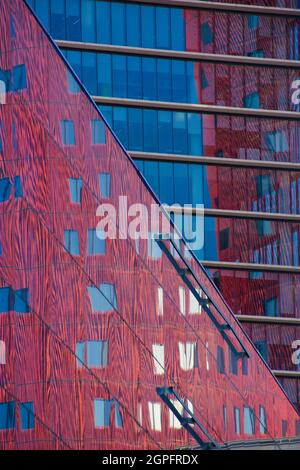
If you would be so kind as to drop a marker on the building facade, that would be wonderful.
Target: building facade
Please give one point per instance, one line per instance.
(201, 96)
(105, 343)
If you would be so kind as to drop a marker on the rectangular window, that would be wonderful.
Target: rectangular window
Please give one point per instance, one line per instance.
(154, 250)
(97, 353)
(225, 418)
(271, 307)
(195, 307)
(262, 420)
(245, 363)
(8, 415)
(188, 356)
(206, 33)
(96, 242)
(295, 240)
(102, 413)
(72, 242)
(224, 238)
(75, 185)
(21, 301)
(220, 360)
(103, 299)
(6, 296)
(182, 304)
(158, 352)
(233, 362)
(19, 81)
(104, 181)
(98, 132)
(249, 420)
(155, 416)
(80, 353)
(252, 100)
(174, 422)
(237, 420)
(2, 353)
(5, 189)
(253, 21)
(160, 301)
(67, 132)
(18, 187)
(73, 19)
(27, 415)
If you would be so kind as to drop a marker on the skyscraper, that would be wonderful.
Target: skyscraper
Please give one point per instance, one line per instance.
(105, 343)
(200, 93)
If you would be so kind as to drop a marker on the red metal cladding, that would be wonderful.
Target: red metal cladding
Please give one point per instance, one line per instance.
(40, 366)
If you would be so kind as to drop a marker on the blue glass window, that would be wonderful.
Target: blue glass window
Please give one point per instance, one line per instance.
(163, 32)
(42, 10)
(58, 19)
(249, 420)
(67, 132)
(72, 242)
(103, 21)
(97, 353)
(154, 250)
(120, 124)
(104, 182)
(21, 301)
(104, 75)
(245, 363)
(253, 21)
(220, 360)
(164, 80)
(96, 245)
(165, 134)
(102, 412)
(252, 100)
(179, 83)
(149, 78)
(133, 25)
(148, 26)
(12, 27)
(98, 132)
(89, 72)
(277, 141)
(103, 299)
(295, 241)
(135, 129)
(180, 141)
(262, 420)
(75, 190)
(194, 134)
(271, 307)
(237, 420)
(134, 74)
(233, 362)
(88, 17)
(74, 58)
(118, 416)
(73, 18)
(72, 83)
(18, 187)
(166, 182)
(180, 184)
(27, 415)
(5, 299)
(150, 131)
(80, 350)
(151, 175)
(206, 33)
(118, 13)
(5, 189)
(177, 29)
(8, 415)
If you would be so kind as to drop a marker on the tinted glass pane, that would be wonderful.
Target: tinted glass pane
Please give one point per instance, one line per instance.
(7, 415)
(27, 415)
